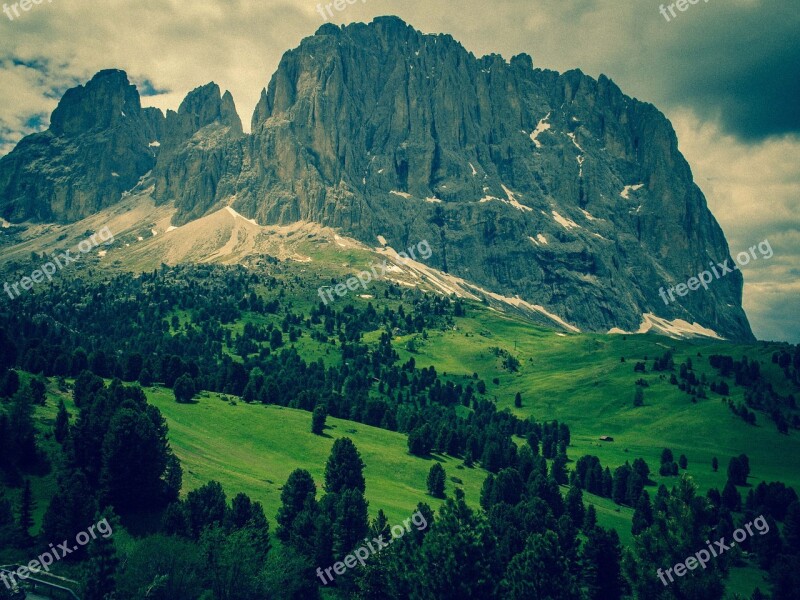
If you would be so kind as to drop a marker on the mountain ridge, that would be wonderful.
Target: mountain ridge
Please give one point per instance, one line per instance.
(525, 181)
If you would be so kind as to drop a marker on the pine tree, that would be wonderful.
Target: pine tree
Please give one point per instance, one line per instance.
(318, 419)
(558, 470)
(135, 455)
(175, 521)
(635, 486)
(643, 514)
(61, 428)
(419, 441)
(22, 429)
(731, 499)
(590, 520)
(641, 467)
(540, 571)
(344, 469)
(462, 540)
(619, 492)
(638, 397)
(173, 477)
(380, 525)
(101, 571)
(602, 557)
(184, 389)
(7, 524)
(10, 384)
(71, 508)
(38, 391)
(351, 522)
(299, 493)
(607, 483)
(739, 469)
(791, 530)
(574, 505)
(206, 507)
(518, 400)
(26, 508)
(145, 378)
(436, 480)
(487, 499)
(714, 464)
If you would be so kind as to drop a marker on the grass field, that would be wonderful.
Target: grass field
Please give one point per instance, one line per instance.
(580, 380)
(254, 448)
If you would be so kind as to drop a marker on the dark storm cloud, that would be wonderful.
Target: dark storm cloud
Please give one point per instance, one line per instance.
(741, 66)
(146, 88)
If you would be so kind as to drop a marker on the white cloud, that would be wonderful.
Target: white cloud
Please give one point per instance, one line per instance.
(754, 192)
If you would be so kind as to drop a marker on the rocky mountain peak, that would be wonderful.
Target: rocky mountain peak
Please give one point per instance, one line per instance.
(103, 102)
(97, 146)
(206, 105)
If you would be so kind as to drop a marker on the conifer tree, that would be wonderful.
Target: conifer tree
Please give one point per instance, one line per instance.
(61, 428)
(344, 469)
(436, 480)
(318, 419)
(643, 514)
(101, 571)
(26, 508)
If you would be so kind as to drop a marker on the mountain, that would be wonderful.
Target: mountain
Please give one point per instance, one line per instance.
(95, 149)
(554, 188)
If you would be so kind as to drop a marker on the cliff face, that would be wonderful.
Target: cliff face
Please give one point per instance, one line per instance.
(200, 153)
(554, 187)
(101, 142)
(96, 148)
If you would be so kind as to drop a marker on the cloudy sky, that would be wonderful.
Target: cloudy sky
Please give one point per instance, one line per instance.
(726, 72)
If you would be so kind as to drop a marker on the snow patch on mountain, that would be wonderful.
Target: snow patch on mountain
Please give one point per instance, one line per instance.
(574, 141)
(564, 222)
(452, 285)
(676, 329)
(237, 215)
(626, 192)
(542, 126)
(512, 200)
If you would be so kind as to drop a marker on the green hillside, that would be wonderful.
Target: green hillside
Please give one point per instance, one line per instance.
(579, 379)
(254, 448)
